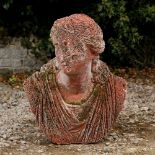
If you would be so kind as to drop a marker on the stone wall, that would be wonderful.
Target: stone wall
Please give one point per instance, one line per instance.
(13, 57)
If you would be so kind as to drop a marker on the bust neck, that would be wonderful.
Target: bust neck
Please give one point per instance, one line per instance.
(75, 83)
(75, 87)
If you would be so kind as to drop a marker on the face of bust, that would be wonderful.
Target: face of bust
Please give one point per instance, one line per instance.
(72, 54)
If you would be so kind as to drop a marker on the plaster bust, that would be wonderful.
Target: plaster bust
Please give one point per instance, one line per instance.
(75, 98)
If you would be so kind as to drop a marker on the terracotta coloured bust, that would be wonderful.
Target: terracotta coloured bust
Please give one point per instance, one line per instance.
(75, 98)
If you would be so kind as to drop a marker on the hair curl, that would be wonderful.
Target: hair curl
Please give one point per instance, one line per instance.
(82, 26)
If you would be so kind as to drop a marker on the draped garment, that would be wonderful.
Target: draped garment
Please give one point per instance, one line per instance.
(64, 123)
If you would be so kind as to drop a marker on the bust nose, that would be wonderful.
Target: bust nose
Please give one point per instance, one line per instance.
(71, 58)
(74, 57)
(70, 53)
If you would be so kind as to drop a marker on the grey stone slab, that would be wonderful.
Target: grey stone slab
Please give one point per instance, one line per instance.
(15, 57)
(4, 53)
(5, 63)
(17, 63)
(13, 52)
(29, 62)
(18, 52)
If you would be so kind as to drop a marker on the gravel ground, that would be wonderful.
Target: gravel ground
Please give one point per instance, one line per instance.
(134, 132)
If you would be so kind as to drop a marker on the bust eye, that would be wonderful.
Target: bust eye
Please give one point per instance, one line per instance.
(65, 43)
(64, 46)
(56, 44)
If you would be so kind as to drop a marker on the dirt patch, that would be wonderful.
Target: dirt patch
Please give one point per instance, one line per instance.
(133, 134)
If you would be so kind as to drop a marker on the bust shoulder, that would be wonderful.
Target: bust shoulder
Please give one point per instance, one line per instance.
(100, 72)
(103, 74)
(104, 77)
(121, 89)
(49, 67)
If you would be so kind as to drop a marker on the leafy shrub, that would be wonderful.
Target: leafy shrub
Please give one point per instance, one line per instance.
(128, 26)
(124, 24)
(41, 48)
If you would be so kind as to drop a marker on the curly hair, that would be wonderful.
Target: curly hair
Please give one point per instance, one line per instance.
(82, 27)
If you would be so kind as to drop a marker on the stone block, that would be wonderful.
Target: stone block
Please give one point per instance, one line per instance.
(15, 57)
(29, 62)
(4, 53)
(16, 63)
(18, 52)
(5, 63)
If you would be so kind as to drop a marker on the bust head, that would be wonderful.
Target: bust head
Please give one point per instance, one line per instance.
(78, 40)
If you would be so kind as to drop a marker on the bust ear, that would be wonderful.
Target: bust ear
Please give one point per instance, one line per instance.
(92, 51)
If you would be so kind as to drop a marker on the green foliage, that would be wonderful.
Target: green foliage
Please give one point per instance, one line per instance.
(124, 24)
(13, 79)
(41, 48)
(128, 27)
(6, 4)
(147, 14)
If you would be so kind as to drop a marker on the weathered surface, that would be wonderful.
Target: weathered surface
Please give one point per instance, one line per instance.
(58, 120)
(133, 133)
(74, 97)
